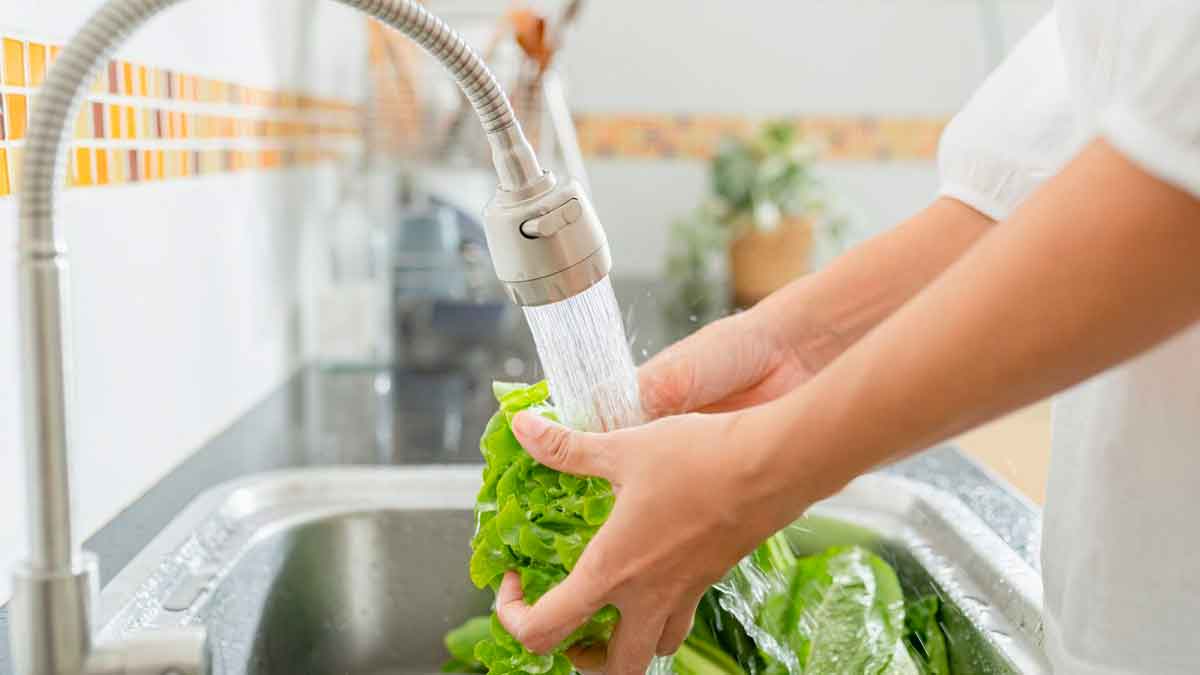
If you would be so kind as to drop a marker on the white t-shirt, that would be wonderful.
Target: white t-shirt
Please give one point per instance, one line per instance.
(1121, 534)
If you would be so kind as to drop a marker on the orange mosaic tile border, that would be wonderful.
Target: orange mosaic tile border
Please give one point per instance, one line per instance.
(661, 136)
(140, 123)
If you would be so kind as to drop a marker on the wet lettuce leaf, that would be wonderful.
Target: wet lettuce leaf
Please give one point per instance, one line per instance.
(501, 653)
(700, 656)
(840, 611)
(925, 639)
(715, 625)
(537, 521)
(837, 612)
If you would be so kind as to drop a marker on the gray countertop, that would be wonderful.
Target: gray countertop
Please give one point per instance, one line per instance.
(361, 416)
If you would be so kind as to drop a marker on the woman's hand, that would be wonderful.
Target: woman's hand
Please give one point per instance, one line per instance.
(699, 491)
(689, 504)
(692, 499)
(740, 361)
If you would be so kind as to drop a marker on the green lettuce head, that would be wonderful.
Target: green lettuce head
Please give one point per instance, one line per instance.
(536, 521)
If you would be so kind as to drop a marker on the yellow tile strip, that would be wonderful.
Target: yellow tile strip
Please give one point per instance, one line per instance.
(14, 62)
(141, 123)
(651, 136)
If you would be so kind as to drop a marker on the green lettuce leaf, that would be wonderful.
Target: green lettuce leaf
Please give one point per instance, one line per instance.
(537, 521)
(714, 625)
(501, 653)
(700, 657)
(461, 642)
(926, 641)
(842, 611)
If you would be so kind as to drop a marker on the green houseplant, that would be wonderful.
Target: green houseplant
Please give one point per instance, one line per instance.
(772, 203)
(757, 231)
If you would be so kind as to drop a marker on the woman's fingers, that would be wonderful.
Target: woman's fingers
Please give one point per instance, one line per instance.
(588, 660)
(720, 360)
(563, 449)
(677, 629)
(542, 626)
(633, 643)
(663, 528)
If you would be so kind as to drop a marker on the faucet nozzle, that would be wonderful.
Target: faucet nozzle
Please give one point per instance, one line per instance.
(546, 241)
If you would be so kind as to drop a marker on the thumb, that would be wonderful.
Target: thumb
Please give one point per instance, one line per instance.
(543, 626)
(563, 449)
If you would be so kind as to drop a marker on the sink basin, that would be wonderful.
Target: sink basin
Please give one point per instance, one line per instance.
(360, 571)
(351, 593)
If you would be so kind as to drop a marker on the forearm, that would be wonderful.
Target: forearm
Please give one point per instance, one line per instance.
(822, 315)
(1099, 266)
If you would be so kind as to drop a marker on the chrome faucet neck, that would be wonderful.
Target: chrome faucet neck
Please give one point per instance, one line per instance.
(55, 589)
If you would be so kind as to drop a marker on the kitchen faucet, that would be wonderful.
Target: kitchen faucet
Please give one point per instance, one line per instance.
(546, 242)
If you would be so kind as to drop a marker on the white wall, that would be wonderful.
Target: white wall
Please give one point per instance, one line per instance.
(184, 292)
(821, 57)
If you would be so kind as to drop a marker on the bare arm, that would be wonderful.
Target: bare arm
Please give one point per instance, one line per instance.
(827, 313)
(790, 336)
(1099, 266)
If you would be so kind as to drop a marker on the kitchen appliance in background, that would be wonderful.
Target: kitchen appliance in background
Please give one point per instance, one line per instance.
(447, 307)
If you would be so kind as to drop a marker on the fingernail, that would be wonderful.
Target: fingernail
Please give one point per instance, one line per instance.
(530, 425)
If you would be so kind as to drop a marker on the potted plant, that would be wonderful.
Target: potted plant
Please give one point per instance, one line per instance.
(771, 203)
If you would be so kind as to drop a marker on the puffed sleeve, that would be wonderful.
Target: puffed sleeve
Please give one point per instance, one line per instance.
(1016, 131)
(1153, 112)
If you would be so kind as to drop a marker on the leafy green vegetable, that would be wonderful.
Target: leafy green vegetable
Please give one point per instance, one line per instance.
(461, 641)
(537, 521)
(501, 653)
(775, 555)
(925, 639)
(715, 625)
(697, 656)
(840, 611)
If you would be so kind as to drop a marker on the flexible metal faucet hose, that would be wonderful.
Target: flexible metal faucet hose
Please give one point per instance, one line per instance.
(41, 249)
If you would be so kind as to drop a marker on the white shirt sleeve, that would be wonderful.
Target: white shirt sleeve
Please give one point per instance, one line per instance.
(1017, 130)
(1153, 112)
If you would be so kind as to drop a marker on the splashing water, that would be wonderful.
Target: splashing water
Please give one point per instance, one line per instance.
(582, 346)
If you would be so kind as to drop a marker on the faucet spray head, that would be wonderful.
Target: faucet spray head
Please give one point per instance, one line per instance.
(546, 241)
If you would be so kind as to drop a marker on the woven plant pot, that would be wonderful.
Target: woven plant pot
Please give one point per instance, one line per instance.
(762, 261)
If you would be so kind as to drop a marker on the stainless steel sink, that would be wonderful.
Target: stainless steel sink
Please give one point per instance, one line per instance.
(358, 571)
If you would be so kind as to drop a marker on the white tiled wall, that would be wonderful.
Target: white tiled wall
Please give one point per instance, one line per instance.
(849, 57)
(185, 293)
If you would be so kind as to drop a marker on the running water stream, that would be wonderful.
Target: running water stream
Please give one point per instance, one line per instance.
(582, 346)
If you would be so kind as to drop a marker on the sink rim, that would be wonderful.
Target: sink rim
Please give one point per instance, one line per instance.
(930, 523)
(260, 502)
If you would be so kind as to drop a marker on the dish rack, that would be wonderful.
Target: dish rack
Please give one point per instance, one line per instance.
(417, 118)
